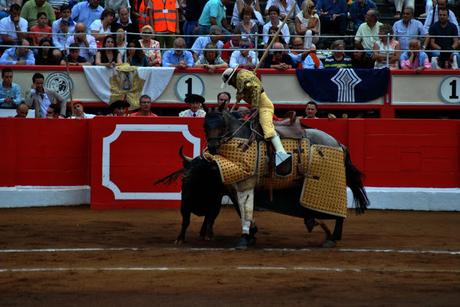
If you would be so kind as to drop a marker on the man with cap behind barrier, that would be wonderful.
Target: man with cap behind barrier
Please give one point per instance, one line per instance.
(196, 103)
(249, 88)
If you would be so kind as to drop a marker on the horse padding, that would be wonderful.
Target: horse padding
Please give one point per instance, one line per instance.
(266, 176)
(235, 163)
(324, 187)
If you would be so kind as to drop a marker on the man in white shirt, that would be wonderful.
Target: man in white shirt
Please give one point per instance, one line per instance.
(244, 58)
(195, 101)
(274, 13)
(368, 32)
(13, 27)
(85, 41)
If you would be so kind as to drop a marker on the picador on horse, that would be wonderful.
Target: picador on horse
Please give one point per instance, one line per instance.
(309, 161)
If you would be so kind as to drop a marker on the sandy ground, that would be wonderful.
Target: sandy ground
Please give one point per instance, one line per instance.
(74, 256)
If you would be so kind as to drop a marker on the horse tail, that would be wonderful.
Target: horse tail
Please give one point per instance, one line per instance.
(354, 179)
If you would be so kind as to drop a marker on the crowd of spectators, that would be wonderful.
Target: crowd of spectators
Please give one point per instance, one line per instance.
(215, 34)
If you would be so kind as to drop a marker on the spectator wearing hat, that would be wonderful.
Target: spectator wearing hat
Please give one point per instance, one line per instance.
(119, 108)
(195, 102)
(145, 103)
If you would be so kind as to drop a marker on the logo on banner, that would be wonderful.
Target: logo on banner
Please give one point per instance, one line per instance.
(346, 81)
(60, 83)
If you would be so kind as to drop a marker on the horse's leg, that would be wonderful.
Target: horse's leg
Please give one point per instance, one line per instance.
(253, 229)
(331, 239)
(246, 205)
(185, 223)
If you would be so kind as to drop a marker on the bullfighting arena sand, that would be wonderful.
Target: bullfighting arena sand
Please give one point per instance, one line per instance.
(74, 256)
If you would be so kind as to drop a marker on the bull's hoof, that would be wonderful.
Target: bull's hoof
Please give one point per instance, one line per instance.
(329, 244)
(179, 241)
(243, 243)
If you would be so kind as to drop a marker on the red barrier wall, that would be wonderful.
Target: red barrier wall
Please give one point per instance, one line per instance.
(121, 158)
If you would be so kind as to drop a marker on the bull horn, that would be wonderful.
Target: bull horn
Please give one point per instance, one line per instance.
(183, 156)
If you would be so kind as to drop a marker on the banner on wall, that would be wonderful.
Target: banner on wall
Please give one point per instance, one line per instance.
(344, 85)
(127, 82)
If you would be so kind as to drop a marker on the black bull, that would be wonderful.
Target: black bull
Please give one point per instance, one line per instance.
(202, 192)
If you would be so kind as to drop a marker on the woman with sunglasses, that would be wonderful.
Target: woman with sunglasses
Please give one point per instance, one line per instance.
(150, 46)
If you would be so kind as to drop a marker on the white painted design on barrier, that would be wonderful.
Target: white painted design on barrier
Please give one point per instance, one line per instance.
(119, 129)
(346, 80)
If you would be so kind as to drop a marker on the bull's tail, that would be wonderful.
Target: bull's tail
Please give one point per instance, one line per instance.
(354, 179)
(171, 177)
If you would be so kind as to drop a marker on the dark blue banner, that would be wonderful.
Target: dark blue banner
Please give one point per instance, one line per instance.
(344, 84)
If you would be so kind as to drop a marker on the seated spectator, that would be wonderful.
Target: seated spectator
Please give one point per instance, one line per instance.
(311, 111)
(10, 92)
(248, 27)
(47, 55)
(433, 15)
(214, 14)
(361, 59)
(178, 57)
(86, 12)
(210, 59)
(120, 42)
(52, 112)
(312, 61)
(444, 37)
(231, 45)
(135, 55)
(5, 6)
(307, 23)
(414, 59)
(74, 58)
(333, 16)
(271, 35)
(195, 102)
(223, 101)
(274, 15)
(22, 110)
(126, 24)
(238, 8)
(119, 108)
(358, 10)
(244, 57)
(20, 55)
(214, 37)
(78, 112)
(284, 7)
(278, 59)
(399, 6)
(13, 27)
(296, 51)
(151, 47)
(368, 32)
(41, 29)
(101, 28)
(86, 42)
(386, 49)
(42, 98)
(338, 59)
(145, 103)
(62, 28)
(407, 28)
(108, 57)
(31, 8)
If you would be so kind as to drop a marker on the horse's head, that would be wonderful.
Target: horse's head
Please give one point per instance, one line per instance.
(215, 128)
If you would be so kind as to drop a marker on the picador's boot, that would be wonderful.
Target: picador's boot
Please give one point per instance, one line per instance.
(283, 160)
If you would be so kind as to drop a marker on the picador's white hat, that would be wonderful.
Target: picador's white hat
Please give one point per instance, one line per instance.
(227, 75)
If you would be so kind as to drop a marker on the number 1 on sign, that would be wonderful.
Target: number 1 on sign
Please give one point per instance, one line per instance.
(453, 85)
(189, 86)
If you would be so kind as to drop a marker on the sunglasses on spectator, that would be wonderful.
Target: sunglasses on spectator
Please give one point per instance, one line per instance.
(244, 46)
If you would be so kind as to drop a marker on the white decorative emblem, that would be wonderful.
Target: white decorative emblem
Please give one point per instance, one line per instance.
(60, 83)
(346, 79)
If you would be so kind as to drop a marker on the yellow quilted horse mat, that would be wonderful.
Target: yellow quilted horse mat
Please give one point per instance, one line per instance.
(325, 188)
(266, 176)
(236, 164)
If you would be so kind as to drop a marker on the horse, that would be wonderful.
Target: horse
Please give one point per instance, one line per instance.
(220, 127)
(203, 189)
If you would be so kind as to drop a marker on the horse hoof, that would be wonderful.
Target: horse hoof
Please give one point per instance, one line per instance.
(329, 244)
(178, 242)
